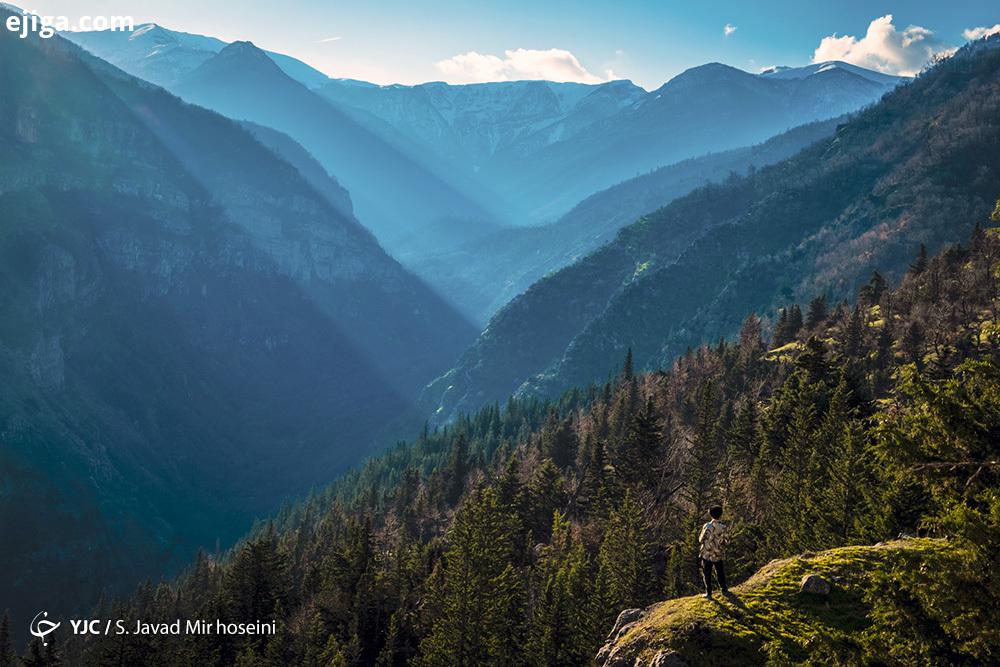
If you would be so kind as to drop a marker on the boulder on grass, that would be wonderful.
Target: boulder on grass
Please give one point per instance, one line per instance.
(668, 659)
(815, 584)
(627, 617)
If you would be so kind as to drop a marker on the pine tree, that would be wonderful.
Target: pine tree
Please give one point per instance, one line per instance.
(871, 292)
(790, 483)
(393, 653)
(594, 475)
(507, 627)
(546, 495)
(742, 448)
(405, 502)
(624, 405)
(559, 441)
(813, 360)
(818, 312)
(912, 344)
(703, 452)
(457, 469)
(781, 329)
(841, 500)
(751, 345)
(920, 265)
(674, 574)
(255, 582)
(561, 627)
(794, 321)
(624, 560)
(852, 337)
(36, 655)
(642, 446)
(475, 585)
(7, 655)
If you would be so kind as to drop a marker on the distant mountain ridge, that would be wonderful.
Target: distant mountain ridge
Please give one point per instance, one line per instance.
(469, 124)
(708, 108)
(817, 223)
(468, 162)
(164, 57)
(564, 125)
(519, 143)
(784, 72)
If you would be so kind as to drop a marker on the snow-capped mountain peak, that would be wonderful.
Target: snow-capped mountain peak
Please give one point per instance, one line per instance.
(786, 72)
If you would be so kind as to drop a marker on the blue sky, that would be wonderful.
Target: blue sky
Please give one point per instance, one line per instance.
(647, 41)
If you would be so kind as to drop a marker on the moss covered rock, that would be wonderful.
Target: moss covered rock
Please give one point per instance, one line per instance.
(771, 620)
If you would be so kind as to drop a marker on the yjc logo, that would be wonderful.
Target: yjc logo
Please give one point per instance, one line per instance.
(40, 627)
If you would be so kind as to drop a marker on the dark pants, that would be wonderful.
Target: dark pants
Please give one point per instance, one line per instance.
(720, 573)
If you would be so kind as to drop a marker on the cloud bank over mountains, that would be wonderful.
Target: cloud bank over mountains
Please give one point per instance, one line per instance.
(885, 48)
(518, 65)
(980, 32)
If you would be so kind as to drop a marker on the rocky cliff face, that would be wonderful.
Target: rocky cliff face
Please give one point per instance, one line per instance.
(189, 329)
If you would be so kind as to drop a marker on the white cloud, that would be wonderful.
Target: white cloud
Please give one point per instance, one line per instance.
(979, 33)
(515, 65)
(728, 29)
(329, 39)
(883, 48)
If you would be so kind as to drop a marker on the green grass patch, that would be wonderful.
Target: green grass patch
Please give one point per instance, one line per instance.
(768, 620)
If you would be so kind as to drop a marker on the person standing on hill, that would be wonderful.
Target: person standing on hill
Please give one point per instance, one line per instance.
(712, 551)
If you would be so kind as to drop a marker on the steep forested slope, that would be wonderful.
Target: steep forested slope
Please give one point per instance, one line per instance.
(818, 222)
(485, 273)
(516, 537)
(189, 331)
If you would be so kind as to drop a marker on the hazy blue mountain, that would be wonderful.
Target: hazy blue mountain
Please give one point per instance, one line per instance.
(191, 328)
(713, 107)
(922, 166)
(529, 140)
(496, 132)
(164, 56)
(435, 205)
(469, 124)
(393, 194)
(484, 274)
(468, 161)
(293, 153)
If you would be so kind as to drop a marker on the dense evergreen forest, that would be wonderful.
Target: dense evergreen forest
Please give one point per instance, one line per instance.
(516, 535)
